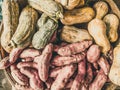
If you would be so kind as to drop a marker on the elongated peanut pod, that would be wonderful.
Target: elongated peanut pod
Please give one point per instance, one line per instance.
(55, 71)
(61, 61)
(63, 77)
(97, 29)
(74, 48)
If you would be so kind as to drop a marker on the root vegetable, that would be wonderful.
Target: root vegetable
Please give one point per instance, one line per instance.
(99, 81)
(93, 53)
(103, 63)
(54, 72)
(14, 55)
(44, 63)
(77, 83)
(63, 77)
(60, 61)
(49, 82)
(18, 76)
(34, 81)
(5, 63)
(30, 53)
(74, 48)
(97, 29)
(27, 64)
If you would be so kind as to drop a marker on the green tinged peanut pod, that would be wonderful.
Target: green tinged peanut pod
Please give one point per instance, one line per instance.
(45, 32)
(50, 7)
(26, 28)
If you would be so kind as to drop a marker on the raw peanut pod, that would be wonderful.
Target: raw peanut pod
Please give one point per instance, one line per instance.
(63, 77)
(74, 48)
(44, 62)
(97, 29)
(27, 64)
(78, 16)
(26, 28)
(5, 63)
(72, 34)
(78, 81)
(61, 61)
(101, 9)
(70, 4)
(103, 63)
(114, 74)
(99, 81)
(81, 3)
(18, 76)
(46, 30)
(50, 7)
(34, 81)
(112, 23)
(93, 53)
(55, 71)
(30, 53)
(10, 12)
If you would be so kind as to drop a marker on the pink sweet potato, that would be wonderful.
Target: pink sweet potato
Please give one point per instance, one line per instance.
(34, 79)
(74, 48)
(93, 53)
(18, 76)
(32, 53)
(65, 60)
(27, 64)
(44, 63)
(63, 77)
(99, 81)
(4, 63)
(54, 72)
(103, 63)
(79, 79)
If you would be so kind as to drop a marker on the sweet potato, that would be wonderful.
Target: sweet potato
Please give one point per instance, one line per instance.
(63, 77)
(60, 61)
(49, 82)
(4, 63)
(18, 76)
(43, 64)
(77, 83)
(54, 72)
(32, 53)
(93, 53)
(34, 81)
(89, 75)
(103, 63)
(27, 64)
(74, 48)
(14, 55)
(99, 81)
